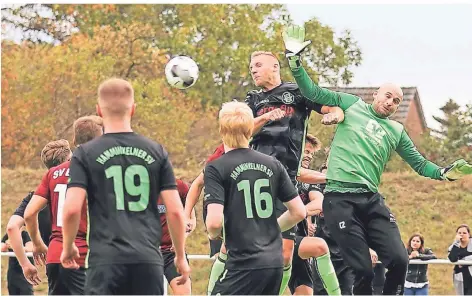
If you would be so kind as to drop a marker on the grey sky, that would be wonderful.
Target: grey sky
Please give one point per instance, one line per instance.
(427, 46)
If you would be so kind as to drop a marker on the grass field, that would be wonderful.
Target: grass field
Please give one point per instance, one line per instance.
(430, 207)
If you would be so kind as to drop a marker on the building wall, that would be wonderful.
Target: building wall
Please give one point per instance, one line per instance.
(413, 121)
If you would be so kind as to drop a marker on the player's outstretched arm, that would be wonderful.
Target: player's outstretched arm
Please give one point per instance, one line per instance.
(294, 41)
(311, 176)
(407, 150)
(296, 212)
(36, 204)
(192, 196)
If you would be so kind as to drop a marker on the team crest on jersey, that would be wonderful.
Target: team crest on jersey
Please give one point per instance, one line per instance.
(288, 98)
(305, 186)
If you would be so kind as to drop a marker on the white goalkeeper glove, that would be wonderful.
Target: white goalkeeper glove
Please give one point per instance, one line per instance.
(294, 40)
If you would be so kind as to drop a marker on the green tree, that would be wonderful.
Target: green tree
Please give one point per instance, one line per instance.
(220, 38)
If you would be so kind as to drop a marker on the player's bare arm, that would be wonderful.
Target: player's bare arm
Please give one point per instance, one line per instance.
(315, 206)
(311, 176)
(273, 115)
(16, 242)
(214, 220)
(36, 204)
(332, 115)
(192, 196)
(75, 199)
(296, 212)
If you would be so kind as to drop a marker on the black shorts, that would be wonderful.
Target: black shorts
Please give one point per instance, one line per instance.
(170, 270)
(17, 283)
(301, 269)
(125, 279)
(63, 281)
(265, 281)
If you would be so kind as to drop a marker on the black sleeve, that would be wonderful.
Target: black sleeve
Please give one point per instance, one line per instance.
(250, 102)
(78, 170)
(25, 236)
(314, 187)
(20, 210)
(453, 253)
(286, 190)
(313, 106)
(214, 190)
(5, 237)
(167, 177)
(428, 255)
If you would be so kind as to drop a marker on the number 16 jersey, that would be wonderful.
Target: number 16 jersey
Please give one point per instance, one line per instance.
(123, 174)
(248, 183)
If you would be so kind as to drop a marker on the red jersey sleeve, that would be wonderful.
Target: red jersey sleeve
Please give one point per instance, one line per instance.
(220, 150)
(43, 188)
(183, 188)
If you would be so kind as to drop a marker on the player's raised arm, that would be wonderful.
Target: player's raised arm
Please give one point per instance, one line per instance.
(294, 40)
(407, 150)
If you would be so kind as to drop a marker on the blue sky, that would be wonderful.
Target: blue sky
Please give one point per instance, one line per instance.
(427, 46)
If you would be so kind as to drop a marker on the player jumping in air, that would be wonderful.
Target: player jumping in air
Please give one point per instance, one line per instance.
(355, 212)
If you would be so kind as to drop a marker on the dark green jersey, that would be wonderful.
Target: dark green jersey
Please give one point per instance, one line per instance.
(123, 174)
(363, 142)
(247, 183)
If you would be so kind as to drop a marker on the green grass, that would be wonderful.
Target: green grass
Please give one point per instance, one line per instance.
(430, 207)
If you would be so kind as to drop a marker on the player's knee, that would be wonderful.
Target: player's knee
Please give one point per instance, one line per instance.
(321, 247)
(312, 247)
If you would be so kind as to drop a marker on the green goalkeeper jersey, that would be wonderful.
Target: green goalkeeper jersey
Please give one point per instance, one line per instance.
(363, 142)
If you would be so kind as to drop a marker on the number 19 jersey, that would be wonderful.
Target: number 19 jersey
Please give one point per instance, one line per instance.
(123, 174)
(247, 183)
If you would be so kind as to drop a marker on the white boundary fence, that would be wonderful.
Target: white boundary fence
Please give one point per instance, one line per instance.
(207, 257)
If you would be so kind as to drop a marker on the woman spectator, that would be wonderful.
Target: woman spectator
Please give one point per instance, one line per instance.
(461, 249)
(417, 276)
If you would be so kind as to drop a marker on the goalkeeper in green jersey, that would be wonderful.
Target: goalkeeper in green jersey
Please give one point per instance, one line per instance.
(355, 212)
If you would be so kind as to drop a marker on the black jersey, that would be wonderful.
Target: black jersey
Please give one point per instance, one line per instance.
(247, 183)
(44, 218)
(123, 174)
(284, 139)
(304, 190)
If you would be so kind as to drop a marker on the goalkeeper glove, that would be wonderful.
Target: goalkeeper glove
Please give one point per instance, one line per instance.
(456, 170)
(294, 37)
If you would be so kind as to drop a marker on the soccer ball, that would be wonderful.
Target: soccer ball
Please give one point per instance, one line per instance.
(181, 72)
